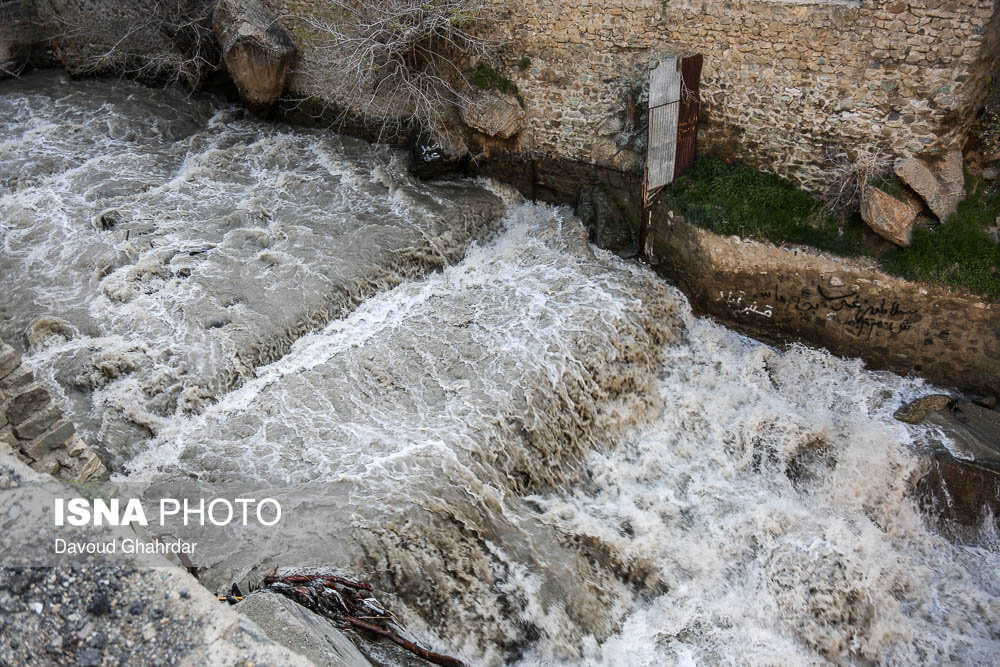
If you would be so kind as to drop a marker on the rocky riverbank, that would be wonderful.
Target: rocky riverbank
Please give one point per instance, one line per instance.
(92, 609)
(33, 427)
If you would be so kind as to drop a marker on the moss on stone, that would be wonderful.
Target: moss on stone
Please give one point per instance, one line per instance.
(488, 78)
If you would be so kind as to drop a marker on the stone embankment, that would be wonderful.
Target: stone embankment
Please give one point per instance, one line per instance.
(34, 427)
(845, 305)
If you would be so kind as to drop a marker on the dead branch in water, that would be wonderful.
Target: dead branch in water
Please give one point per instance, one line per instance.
(349, 604)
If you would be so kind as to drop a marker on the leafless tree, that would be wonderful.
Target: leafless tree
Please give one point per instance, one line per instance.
(402, 61)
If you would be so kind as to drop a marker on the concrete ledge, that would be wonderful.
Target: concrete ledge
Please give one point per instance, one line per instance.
(845, 305)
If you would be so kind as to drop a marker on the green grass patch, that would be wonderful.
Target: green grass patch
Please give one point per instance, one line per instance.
(486, 77)
(741, 200)
(958, 253)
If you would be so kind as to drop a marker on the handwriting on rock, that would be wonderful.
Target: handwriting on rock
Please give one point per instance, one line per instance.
(859, 315)
(735, 300)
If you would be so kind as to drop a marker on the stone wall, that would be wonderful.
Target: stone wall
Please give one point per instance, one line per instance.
(785, 85)
(789, 86)
(35, 429)
(845, 305)
(20, 37)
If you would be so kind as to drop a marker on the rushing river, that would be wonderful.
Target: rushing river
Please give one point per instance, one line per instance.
(529, 444)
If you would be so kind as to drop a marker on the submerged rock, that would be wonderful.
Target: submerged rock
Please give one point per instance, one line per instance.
(915, 411)
(940, 183)
(44, 329)
(974, 432)
(959, 495)
(257, 50)
(960, 485)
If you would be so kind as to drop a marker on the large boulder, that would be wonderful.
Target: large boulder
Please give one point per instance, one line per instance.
(960, 480)
(258, 51)
(493, 113)
(941, 183)
(890, 218)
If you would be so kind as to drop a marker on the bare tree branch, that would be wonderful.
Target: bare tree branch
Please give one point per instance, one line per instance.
(154, 40)
(402, 61)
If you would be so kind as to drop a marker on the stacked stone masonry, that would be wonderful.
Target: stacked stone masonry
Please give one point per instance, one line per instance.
(34, 428)
(846, 305)
(790, 86)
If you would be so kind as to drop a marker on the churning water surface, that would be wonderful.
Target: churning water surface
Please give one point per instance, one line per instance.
(531, 445)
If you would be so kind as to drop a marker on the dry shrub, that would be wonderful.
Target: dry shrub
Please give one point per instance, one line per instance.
(850, 176)
(402, 62)
(157, 41)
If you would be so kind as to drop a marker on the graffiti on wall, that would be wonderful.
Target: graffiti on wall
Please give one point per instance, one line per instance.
(862, 316)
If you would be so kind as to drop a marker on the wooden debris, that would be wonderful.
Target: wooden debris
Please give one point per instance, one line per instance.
(349, 605)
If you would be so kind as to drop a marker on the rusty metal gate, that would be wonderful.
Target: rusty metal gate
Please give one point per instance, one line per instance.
(672, 128)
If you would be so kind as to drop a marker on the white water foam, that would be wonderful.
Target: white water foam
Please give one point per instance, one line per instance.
(537, 452)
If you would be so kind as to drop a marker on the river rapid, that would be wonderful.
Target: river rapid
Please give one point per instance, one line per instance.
(530, 445)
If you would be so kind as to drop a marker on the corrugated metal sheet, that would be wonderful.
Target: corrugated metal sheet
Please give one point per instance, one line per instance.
(665, 83)
(662, 145)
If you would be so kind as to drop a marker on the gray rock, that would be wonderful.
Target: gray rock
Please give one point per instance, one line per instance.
(9, 359)
(494, 113)
(301, 630)
(940, 183)
(21, 377)
(974, 432)
(106, 220)
(26, 404)
(36, 425)
(58, 436)
(257, 50)
(889, 217)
